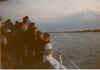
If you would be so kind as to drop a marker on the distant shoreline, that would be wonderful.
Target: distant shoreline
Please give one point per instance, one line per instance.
(90, 30)
(78, 31)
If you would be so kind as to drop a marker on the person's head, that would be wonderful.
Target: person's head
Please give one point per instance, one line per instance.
(32, 24)
(8, 21)
(35, 29)
(46, 37)
(40, 35)
(25, 19)
(16, 22)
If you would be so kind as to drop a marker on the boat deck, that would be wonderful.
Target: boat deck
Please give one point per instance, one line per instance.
(30, 62)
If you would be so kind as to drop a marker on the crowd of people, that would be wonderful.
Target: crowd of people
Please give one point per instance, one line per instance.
(22, 43)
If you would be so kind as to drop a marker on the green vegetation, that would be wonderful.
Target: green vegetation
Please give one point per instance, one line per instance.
(78, 31)
(91, 30)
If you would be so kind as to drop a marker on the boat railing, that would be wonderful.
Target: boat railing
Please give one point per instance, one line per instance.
(67, 62)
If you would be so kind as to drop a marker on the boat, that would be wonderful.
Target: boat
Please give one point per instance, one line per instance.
(54, 62)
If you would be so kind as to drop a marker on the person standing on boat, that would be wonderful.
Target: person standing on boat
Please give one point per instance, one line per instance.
(34, 42)
(8, 25)
(48, 58)
(17, 23)
(40, 46)
(27, 19)
(48, 48)
(4, 48)
(25, 24)
(19, 43)
(29, 41)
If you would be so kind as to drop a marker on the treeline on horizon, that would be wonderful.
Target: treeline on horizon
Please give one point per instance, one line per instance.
(91, 30)
(78, 31)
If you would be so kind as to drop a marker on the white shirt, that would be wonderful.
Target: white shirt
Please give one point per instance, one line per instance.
(55, 63)
(48, 46)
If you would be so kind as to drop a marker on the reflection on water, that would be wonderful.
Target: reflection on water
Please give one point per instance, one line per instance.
(82, 48)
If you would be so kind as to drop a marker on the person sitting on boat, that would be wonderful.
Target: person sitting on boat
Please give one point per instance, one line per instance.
(40, 46)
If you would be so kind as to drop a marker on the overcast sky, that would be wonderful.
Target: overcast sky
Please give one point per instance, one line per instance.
(41, 9)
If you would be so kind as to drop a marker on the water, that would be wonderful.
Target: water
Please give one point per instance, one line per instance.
(82, 48)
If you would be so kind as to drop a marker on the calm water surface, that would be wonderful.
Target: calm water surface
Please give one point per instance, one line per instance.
(82, 48)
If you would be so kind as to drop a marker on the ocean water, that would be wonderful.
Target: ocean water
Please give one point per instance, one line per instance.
(82, 48)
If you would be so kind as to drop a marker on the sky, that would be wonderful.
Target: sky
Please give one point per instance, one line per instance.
(46, 9)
